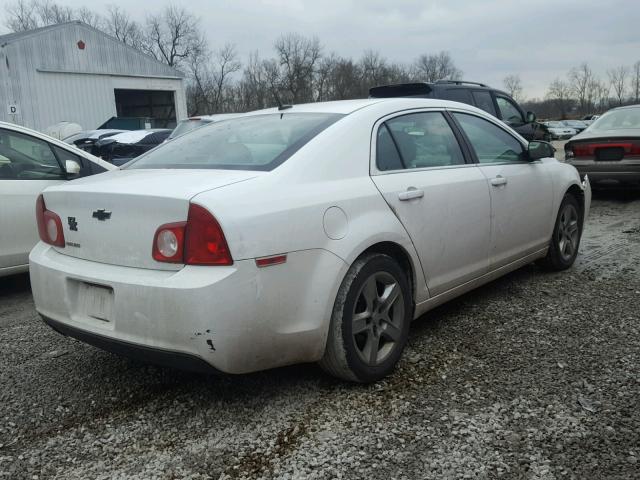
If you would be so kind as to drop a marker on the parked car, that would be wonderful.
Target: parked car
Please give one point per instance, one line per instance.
(30, 162)
(87, 139)
(558, 130)
(577, 125)
(313, 233)
(609, 151)
(192, 123)
(123, 147)
(497, 103)
(589, 119)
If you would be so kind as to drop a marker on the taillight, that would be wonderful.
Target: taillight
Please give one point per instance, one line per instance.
(49, 224)
(168, 243)
(589, 149)
(198, 241)
(204, 240)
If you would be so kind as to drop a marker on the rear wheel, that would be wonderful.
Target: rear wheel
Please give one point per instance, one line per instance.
(567, 232)
(370, 321)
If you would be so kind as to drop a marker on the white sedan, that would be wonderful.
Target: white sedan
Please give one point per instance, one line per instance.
(312, 233)
(30, 162)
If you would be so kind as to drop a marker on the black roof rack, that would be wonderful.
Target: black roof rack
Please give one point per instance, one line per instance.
(460, 82)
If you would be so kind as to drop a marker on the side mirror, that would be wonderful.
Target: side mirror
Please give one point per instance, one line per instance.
(72, 168)
(538, 150)
(531, 117)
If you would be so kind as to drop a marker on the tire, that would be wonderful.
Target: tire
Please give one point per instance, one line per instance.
(373, 351)
(567, 233)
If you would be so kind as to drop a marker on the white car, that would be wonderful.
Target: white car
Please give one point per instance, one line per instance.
(312, 233)
(559, 131)
(30, 162)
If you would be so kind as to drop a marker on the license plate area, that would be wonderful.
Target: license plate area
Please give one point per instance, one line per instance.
(95, 304)
(609, 154)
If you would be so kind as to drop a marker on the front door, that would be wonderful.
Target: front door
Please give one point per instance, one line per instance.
(521, 191)
(442, 201)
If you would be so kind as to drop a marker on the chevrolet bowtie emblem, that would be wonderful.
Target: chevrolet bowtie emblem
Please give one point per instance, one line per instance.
(102, 214)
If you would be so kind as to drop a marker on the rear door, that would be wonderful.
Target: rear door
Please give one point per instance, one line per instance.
(521, 191)
(443, 202)
(27, 166)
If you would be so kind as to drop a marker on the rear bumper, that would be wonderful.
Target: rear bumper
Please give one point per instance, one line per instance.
(237, 319)
(143, 353)
(613, 173)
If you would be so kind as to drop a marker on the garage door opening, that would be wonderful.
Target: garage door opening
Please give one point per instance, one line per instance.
(158, 105)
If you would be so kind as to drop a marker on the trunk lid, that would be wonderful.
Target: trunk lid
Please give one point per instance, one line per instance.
(112, 218)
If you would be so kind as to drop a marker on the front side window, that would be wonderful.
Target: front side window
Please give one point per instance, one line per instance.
(484, 101)
(491, 143)
(509, 112)
(417, 140)
(258, 142)
(23, 157)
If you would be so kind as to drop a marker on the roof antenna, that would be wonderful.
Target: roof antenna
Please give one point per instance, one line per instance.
(281, 106)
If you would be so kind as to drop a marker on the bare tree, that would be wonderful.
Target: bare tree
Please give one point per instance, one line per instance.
(120, 25)
(90, 17)
(172, 36)
(601, 95)
(51, 13)
(618, 81)
(26, 15)
(225, 65)
(297, 57)
(559, 93)
(431, 68)
(635, 81)
(325, 68)
(21, 15)
(513, 86)
(581, 82)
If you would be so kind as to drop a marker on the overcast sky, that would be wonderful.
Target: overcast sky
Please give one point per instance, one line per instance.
(537, 39)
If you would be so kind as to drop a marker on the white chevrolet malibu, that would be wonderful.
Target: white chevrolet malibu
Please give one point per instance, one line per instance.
(313, 233)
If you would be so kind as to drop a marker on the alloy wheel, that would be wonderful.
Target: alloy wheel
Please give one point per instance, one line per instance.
(377, 318)
(568, 234)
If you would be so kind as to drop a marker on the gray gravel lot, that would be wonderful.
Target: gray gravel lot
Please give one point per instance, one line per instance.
(534, 376)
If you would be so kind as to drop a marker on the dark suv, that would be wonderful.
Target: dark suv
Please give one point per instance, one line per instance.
(497, 103)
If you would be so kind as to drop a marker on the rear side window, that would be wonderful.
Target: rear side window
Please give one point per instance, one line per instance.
(491, 143)
(461, 95)
(417, 140)
(484, 101)
(259, 142)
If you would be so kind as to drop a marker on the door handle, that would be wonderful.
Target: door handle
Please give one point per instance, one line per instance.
(411, 192)
(498, 180)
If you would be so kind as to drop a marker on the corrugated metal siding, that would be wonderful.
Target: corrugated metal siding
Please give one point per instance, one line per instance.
(52, 80)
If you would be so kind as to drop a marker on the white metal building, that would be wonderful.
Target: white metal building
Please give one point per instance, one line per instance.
(73, 72)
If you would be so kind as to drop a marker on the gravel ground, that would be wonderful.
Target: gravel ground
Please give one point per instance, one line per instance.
(534, 376)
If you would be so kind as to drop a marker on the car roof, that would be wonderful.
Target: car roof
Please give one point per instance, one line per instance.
(57, 143)
(347, 107)
(625, 107)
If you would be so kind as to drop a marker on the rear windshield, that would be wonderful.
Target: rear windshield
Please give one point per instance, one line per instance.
(259, 142)
(617, 119)
(186, 126)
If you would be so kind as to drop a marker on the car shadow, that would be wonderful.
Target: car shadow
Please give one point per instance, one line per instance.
(14, 284)
(626, 195)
